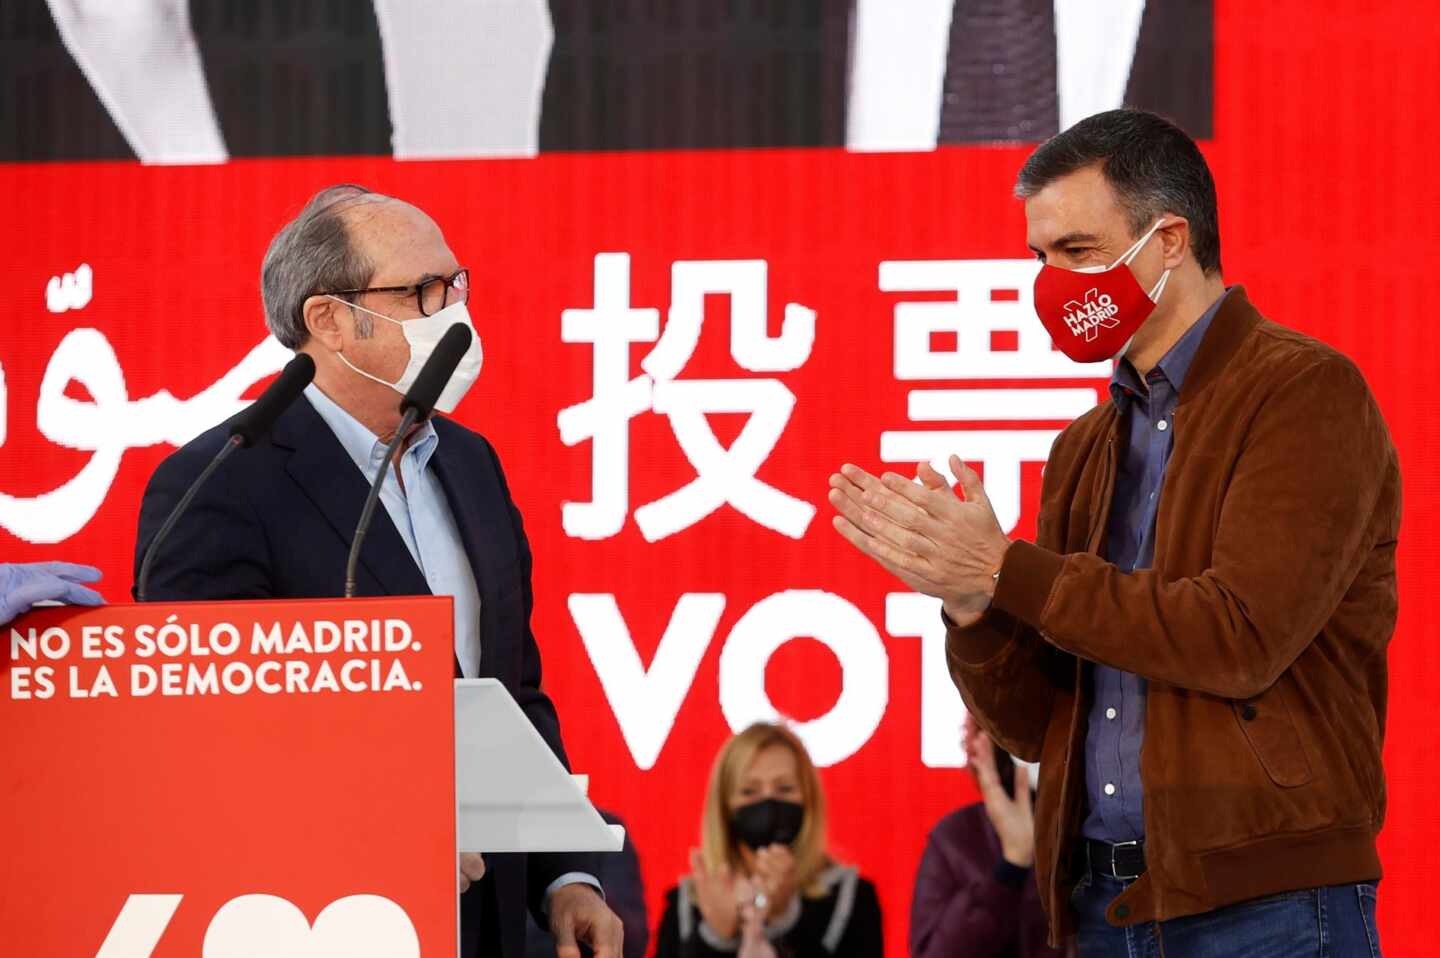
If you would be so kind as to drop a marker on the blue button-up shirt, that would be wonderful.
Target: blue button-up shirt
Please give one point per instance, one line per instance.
(420, 513)
(1117, 714)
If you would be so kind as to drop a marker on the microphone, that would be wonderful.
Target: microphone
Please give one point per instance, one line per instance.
(247, 427)
(435, 374)
(255, 420)
(416, 406)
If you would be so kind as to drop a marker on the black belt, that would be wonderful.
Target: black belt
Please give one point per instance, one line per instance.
(1123, 861)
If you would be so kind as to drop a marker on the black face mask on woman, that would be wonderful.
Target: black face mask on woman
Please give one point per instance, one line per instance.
(768, 822)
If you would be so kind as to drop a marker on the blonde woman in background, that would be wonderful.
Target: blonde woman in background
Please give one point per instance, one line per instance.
(762, 884)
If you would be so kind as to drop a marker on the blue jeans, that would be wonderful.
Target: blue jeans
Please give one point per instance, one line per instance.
(1334, 922)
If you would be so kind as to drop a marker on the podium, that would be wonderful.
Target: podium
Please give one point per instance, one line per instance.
(536, 806)
(292, 778)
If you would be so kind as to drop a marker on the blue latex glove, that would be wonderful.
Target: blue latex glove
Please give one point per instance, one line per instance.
(23, 585)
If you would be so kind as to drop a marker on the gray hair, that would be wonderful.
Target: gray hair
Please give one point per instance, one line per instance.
(311, 254)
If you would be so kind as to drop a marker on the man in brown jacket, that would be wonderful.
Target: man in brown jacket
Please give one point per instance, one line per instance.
(1194, 646)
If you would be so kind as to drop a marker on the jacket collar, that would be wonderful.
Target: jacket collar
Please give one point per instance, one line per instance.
(1173, 367)
(1233, 323)
(330, 479)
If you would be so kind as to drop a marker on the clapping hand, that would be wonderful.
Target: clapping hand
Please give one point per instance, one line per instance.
(718, 892)
(753, 943)
(775, 876)
(1011, 816)
(921, 532)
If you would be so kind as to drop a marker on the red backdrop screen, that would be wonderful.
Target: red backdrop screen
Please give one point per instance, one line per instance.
(681, 345)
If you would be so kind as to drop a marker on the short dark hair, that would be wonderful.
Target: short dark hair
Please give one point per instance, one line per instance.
(1153, 166)
(312, 253)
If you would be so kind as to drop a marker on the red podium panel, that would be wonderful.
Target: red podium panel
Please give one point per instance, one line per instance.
(229, 778)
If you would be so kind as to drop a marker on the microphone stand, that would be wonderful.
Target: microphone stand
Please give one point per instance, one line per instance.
(368, 512)
(233, 443)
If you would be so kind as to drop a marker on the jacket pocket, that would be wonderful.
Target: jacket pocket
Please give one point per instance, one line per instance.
(1270, 729)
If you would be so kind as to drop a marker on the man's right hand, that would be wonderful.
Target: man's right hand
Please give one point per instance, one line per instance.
(1012, 818)
(472, 869)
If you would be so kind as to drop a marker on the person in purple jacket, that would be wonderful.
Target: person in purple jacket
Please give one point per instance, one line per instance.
(975, 892)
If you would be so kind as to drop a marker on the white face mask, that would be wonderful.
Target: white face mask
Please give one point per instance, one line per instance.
(423, 334)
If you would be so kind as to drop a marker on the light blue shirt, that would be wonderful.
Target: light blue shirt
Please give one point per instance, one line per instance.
(422, 516)
(420, 513)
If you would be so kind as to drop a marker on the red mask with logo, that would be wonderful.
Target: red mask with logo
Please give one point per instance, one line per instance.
(1094, 312)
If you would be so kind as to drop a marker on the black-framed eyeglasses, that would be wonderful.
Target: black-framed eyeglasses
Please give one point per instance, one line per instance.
(432, 295)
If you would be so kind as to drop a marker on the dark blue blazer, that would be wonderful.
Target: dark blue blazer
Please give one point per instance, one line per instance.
(275, 522)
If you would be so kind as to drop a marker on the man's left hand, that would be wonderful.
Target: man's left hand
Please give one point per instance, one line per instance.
(932, 540)
(578, 913)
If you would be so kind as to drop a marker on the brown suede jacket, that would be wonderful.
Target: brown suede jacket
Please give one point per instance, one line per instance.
(1262, 628)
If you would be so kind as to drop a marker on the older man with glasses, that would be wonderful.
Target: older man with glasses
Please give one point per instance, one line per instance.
(366, 285)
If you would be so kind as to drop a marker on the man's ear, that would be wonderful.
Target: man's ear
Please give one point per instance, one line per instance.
(1174, 240)
(322, 321)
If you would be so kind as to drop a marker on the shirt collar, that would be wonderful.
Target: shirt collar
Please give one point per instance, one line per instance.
(366, 449)
(1125, 382)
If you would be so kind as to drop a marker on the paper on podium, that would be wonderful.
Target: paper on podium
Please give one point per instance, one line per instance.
(513, 793)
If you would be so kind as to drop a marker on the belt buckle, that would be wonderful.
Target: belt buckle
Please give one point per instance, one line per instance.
(1114, 870)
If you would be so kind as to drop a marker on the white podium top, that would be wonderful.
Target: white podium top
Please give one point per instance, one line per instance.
(513, 794)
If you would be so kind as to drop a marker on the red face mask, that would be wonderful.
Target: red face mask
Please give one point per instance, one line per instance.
(1094, 312)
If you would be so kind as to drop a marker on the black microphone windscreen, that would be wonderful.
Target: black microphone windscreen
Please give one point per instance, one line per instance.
(256, 419)
(437, 371)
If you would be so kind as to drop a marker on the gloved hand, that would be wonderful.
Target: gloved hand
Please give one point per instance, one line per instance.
(24, 584)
